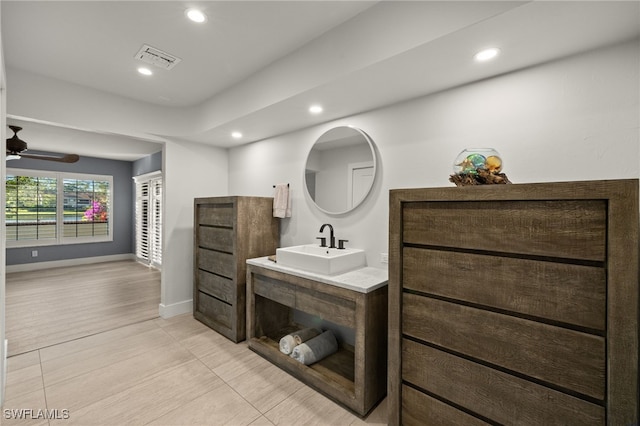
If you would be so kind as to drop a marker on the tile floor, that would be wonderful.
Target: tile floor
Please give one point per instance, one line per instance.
(162, 372)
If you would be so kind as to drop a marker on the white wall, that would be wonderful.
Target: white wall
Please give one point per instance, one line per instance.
(3, 116)
(55, 101)
(190, 170)
(572, 119)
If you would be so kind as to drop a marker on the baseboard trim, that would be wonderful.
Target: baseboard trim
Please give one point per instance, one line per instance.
(69, 262)
(168, 311)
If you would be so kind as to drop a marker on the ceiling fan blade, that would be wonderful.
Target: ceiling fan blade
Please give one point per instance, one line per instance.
(68, 158)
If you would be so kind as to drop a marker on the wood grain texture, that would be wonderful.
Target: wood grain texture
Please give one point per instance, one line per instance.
(318, 376)
(305, 283)
(419, 409)
(394, 376)
(355, 377)
(217, 212)
(566, 223)
(216, 286)
(498, 396)
(270, 319)
(215, 310)
(556, 355)
(622, 306)
(572, 229)
(568, 293)
(336, 309)
(227, 232)
(272, 289)
(217, 262)
(49, 306)
(220, 239)
(373, 335)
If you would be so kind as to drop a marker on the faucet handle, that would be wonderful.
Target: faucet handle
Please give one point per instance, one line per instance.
(341, 244)
(323, 241)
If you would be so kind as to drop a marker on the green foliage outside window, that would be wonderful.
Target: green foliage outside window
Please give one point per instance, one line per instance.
(33, 210)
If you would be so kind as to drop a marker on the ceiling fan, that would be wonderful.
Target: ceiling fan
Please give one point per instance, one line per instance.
(16, 148)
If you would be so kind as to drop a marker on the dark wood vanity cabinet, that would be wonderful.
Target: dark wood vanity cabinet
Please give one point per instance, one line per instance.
(514, 304)
(227, 232)
(355, 376)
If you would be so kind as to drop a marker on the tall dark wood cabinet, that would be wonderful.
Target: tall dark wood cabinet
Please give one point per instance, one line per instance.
(514, 304)
(227, 232)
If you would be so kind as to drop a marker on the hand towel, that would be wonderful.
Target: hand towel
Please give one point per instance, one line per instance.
(315, 349)
(290, 341)
(282, 201)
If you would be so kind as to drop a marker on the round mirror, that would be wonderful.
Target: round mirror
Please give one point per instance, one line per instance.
(340, 169)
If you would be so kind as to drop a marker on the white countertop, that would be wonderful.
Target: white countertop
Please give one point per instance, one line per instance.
(363, 280)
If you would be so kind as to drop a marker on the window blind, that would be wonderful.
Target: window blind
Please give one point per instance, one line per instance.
(149, 220)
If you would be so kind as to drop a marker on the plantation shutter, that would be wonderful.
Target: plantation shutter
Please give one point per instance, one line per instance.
(156, 222)
(142, 221)
(149, 219)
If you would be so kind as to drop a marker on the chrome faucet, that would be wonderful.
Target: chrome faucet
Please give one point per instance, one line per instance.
(332, 239)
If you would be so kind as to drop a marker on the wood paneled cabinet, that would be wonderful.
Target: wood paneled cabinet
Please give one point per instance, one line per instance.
(355, 376)
(514, 304)
(227, 232)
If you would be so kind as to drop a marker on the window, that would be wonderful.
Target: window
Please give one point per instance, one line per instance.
(49, 208)
(149, 219)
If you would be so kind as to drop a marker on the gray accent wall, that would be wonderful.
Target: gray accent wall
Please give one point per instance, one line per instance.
(148, 164)
(122, 213)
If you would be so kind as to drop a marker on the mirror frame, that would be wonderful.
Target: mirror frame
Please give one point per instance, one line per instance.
(375, 171)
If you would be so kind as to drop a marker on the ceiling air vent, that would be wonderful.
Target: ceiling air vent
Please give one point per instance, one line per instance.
(157, 57)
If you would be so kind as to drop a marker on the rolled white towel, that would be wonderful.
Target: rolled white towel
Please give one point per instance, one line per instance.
(315, 349)
(287, 343)
(290, 341)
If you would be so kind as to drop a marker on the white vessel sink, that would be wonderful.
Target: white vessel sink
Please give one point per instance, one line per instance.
(321, 260)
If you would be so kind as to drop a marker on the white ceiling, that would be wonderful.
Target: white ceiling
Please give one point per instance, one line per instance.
(93, 43)
(256, 66)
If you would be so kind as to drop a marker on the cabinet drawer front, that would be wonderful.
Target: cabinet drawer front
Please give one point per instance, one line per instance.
(217, 286)
(326, 306)
(217, 262)
(216, 238)
(566, 358)
(573, 294)
(215, 214)
(498, 396)
(275, 290)
(419, 409)
(214, 309)
(574, 229)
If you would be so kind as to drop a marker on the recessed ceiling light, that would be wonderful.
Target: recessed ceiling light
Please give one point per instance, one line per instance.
(236, 135)
(196, 15)
(486, 54)
(144, 71)
(315, 109)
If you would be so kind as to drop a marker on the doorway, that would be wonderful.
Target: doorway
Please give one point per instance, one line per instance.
(359, 182)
